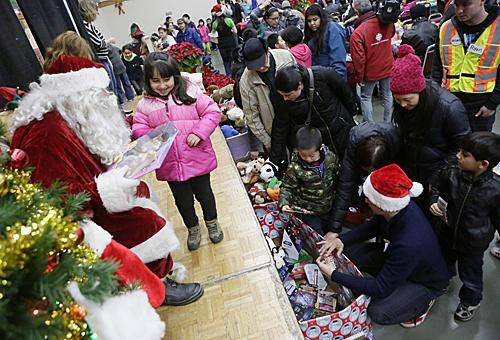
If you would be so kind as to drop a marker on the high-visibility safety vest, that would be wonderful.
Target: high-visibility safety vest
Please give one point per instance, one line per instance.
(474, 71)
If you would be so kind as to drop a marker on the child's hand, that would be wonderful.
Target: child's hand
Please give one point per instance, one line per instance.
(286, 209)
(436, 211)
(193, 140)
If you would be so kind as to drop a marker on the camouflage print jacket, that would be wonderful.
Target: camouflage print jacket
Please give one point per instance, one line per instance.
(310, 187)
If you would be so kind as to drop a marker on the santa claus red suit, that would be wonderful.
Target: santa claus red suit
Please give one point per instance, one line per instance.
(72, 131)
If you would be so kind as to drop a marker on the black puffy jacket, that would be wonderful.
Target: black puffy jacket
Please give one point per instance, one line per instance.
(350, 174)
(423, 156)
(421, 35)
(473, 209)
(333, 109)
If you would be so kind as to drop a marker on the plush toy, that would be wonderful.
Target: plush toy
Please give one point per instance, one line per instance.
(219, 95)
(211, 89)
(235, 113)
(239, 123)
(268, 171)
(241, 166)
(258, 193)
(228, 131)
(274, 183)
(223, 119)
(274, 193)
(252, 169)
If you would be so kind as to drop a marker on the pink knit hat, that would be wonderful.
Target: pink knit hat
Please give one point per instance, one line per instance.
(407, 75)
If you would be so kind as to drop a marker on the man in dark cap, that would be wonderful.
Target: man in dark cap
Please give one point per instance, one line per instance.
(422, 33)
(258, 94)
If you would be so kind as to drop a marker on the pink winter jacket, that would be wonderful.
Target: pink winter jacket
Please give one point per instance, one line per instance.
(201, 118)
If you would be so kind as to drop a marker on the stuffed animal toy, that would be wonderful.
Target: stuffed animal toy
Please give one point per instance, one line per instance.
(228, 131)
(239, 123)
(274, 193)
(258, 193)
(268, 171)
(252, 170)
(223, 119)
(241, 166)
(235, 113)
(219, 95)
(211, 89)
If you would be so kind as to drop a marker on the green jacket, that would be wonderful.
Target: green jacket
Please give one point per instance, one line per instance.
(308, 188)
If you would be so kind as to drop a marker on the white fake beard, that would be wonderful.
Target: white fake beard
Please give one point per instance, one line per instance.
(96, 119)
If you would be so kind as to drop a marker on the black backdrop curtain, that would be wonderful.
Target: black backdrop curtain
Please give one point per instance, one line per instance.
(18, 63)
(49, 18)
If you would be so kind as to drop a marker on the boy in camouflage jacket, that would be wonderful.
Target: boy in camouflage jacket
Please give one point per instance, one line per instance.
(309, 180)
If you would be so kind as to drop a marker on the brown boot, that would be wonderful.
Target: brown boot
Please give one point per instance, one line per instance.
(194, 237)
(214, 231)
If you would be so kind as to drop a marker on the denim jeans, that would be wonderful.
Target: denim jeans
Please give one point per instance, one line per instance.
(112, 80)
(123, 83)
(183, 196)
(138, 85)
(408, 301)
(470, 272)
(227, 58)
(366, 99)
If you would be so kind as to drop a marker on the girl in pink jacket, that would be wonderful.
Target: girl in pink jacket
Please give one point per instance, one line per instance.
(187, 167)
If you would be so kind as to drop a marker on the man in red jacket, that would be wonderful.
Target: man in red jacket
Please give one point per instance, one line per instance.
(371, 52)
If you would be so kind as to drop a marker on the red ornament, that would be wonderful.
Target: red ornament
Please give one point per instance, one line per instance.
(52, 263)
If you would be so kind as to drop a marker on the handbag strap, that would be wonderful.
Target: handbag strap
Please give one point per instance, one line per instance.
(310, 96)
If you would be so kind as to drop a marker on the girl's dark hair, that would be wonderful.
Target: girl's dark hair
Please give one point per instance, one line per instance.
(270, 10)
(292, 35)
(201, 20)
(272, 40)
(127, 47)
(318, 34)
(248, 33)
(414, 123)
(484, 146)
(373, 152)
(288, 78)
(167, 67)
(309, 137)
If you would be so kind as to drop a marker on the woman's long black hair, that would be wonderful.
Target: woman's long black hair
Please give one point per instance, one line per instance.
(414, 123)
(167, 67)
(317, 35)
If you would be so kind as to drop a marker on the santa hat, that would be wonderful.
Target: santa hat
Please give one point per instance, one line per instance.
(407, 75)
(390, 189)
(217, 9)
(69, 74)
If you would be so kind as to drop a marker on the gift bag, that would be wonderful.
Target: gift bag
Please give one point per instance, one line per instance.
(351, 320)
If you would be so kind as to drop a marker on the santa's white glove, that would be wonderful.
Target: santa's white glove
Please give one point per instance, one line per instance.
(116, 191)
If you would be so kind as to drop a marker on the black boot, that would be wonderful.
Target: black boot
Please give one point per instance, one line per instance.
(180, 294)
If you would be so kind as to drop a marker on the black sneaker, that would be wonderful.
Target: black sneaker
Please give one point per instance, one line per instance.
(180, 294)
(465, 313)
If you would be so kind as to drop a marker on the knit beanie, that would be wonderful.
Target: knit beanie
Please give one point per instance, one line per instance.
(407, 75)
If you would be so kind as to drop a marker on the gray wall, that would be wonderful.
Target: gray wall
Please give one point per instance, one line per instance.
(148, 14)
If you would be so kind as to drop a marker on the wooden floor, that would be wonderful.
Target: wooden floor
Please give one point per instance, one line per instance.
(244, 298)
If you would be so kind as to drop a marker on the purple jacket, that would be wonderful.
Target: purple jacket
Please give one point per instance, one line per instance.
(201, 118)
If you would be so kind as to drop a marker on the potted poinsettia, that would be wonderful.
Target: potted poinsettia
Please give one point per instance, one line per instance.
(187, 55)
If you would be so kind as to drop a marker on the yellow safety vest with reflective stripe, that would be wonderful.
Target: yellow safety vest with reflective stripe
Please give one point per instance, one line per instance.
(476, 70)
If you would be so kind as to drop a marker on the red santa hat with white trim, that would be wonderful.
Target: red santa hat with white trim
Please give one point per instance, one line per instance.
(390, 189)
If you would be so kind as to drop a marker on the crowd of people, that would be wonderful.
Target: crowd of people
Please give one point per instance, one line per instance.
(425, 171)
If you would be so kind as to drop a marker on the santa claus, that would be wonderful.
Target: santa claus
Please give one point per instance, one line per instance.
(71, 129)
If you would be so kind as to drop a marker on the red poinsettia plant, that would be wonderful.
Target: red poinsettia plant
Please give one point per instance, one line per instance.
(187, 55)
(214, 78)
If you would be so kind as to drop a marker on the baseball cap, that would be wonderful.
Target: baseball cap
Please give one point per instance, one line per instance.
(254, 53)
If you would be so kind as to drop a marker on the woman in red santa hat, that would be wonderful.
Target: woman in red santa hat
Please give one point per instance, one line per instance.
(72, 129)
(408, 272)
